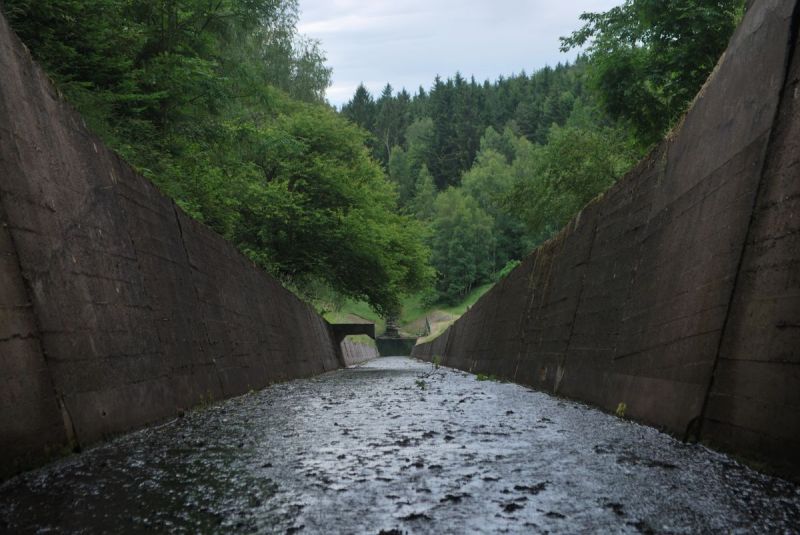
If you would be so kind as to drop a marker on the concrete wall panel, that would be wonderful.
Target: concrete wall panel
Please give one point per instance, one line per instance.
(117, 309)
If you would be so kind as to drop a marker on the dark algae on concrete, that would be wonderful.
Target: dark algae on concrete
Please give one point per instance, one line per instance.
(367, 450)
(116, 309)
(676, 294)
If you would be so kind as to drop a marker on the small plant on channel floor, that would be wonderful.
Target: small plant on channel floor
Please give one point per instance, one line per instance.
(421, 384)
(621, 408)
(484, 377)
(437, 361)
(204, 401)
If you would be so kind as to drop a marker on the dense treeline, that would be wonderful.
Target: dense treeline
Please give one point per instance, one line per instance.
(460, 110)
(494, 168)
(221, 104)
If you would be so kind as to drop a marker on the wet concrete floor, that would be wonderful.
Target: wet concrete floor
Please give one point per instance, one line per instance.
(398, 446)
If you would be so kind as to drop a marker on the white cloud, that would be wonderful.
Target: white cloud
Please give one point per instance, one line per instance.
(408, 43)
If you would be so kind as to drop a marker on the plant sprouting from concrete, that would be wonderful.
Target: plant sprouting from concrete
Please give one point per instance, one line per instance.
(485, 377)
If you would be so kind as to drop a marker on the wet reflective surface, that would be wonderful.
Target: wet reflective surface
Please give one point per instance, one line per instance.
(398, 446)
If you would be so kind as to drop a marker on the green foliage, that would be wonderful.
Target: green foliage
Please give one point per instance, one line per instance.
(510, 266)
(484, 377)
(442, 128)
(419, 139)
(361, 108)
(554, 181)
(490, 181)
(349, 311)
(467, 136)
(416, 306)
(220, 103)
(648, 58)
(401, 173)
(529, 151)
(532, 150)
(327, 212)
(391, 120)
(423, 204)
(470, 299)
(504, 144)
(462, 244)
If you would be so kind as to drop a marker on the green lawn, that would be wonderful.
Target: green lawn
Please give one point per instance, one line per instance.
(470, 300)
(355, 311)
(414, 310)
(412, 319)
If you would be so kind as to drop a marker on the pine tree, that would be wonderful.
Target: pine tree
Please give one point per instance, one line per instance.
(361, 109)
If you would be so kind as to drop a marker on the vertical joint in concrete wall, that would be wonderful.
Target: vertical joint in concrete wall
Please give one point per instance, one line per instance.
(197, 294)
(69, 425)
(525, 318)
(70, 436)
(694, 430)
(561, 370)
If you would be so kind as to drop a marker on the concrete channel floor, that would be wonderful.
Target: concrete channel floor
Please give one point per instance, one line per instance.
(398, 446)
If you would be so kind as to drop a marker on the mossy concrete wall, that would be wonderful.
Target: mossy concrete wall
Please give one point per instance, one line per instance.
(677, 292)
(116, 309)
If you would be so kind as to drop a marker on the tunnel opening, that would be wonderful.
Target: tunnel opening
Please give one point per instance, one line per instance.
(395, 346)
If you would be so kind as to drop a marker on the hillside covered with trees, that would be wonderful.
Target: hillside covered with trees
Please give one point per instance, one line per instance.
(495, 168)
(431, 194)
(222, 105)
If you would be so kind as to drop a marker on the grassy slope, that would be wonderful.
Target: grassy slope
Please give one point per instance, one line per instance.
(356, 312)
(412, 319)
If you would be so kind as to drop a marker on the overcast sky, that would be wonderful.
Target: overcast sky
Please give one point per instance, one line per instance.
(408, 42)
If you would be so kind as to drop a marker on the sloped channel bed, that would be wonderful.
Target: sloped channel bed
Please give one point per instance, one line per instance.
(396, 444)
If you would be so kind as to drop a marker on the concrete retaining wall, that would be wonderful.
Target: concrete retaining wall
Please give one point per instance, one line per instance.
(677, 292)
(116, 309)
(358, 351)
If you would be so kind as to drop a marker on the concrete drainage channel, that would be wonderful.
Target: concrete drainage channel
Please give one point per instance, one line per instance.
(398, 446)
